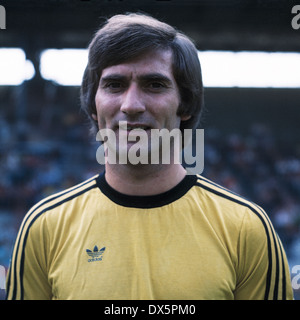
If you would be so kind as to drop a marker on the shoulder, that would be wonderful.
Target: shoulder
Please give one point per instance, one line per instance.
(258, 245)
(33, 233)
(54, 202)
(234, 204)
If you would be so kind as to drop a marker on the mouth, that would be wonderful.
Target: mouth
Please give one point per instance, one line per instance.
(123, 125)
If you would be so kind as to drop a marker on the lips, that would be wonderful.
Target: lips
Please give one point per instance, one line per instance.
(123, 125)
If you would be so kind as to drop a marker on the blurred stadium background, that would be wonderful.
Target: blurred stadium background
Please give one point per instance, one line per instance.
(252, 143)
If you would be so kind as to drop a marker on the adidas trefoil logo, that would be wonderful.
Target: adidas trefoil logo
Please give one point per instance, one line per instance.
(96, 254)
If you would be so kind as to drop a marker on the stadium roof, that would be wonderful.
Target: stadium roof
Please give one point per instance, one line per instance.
(261, 25)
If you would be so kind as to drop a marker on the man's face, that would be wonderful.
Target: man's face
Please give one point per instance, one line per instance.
(142, 92)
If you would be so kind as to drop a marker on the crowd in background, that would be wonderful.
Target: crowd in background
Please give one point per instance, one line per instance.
(256, 165)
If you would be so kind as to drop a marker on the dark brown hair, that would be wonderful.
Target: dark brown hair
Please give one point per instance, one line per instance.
(125, 37)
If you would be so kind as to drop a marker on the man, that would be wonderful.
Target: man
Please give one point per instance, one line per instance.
(146, 231)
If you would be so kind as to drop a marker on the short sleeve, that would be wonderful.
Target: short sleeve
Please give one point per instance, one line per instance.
(262, 270)
(27, 278)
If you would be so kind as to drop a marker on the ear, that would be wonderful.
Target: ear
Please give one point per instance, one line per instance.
(185, 117)
(94, 116)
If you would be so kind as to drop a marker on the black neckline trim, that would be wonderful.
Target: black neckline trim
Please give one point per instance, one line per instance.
(146, 202)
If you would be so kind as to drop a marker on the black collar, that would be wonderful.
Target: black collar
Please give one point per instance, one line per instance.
(152, 201)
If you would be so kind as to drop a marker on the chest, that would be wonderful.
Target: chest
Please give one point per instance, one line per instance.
(154, 257)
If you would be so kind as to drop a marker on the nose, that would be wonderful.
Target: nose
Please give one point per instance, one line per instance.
(132, 102)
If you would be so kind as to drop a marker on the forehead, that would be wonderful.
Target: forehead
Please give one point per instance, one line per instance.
(152, 61)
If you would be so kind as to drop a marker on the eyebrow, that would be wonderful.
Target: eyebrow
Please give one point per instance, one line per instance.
(112, 77)
(144, 77)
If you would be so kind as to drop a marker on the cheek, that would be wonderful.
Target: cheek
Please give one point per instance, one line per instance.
(174, 122)
(99, 102)
(106, 108)
(169, 115)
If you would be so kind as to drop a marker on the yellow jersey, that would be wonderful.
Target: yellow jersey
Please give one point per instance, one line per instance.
(195, 241)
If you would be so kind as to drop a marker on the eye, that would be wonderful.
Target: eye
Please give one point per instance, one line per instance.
(156, 86)
(113, 86)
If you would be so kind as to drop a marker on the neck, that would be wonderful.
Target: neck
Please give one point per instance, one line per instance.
(143, 180)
